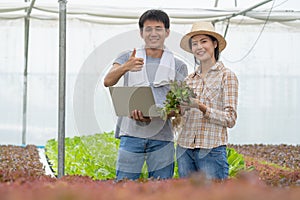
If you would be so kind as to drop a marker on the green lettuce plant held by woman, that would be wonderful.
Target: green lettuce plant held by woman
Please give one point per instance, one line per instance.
(179, 93)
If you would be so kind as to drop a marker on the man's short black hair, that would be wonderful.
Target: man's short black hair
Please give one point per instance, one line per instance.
(155, 15)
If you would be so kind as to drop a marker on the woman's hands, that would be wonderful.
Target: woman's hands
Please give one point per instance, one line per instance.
(194, 103)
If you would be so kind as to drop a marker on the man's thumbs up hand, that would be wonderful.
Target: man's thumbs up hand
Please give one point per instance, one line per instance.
(134, 64)
(133, 53)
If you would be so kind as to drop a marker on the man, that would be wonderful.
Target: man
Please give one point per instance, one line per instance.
(143, 138)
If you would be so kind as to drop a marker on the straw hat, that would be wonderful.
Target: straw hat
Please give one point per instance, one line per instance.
(205, 28)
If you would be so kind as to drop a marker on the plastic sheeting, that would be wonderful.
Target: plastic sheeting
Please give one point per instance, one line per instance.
(264, 57)
(126, 12)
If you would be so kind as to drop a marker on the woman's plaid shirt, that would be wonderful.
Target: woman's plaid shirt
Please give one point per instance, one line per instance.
(218, 90)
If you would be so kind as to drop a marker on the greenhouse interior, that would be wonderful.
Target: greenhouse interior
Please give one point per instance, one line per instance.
(45, 43)
(261, 50)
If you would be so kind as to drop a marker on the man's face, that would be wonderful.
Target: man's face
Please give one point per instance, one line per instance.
(154, 34)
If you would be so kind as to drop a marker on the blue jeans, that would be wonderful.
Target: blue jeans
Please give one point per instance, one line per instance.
(133, 152)
(212, 162)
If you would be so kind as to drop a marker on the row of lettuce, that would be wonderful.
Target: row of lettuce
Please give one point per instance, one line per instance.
(95, 156)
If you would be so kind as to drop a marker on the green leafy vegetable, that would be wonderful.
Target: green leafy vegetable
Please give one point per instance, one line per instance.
(236, 161)
(179, 92)
(95, 156)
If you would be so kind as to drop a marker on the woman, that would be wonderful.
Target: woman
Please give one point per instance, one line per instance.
(201, 145)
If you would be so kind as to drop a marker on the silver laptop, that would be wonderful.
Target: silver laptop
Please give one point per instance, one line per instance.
(126, 99)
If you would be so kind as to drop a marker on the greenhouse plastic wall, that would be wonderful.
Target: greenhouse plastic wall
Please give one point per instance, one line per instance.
(269, 77)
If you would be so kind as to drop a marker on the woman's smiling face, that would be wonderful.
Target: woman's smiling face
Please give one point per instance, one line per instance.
(203, 47)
